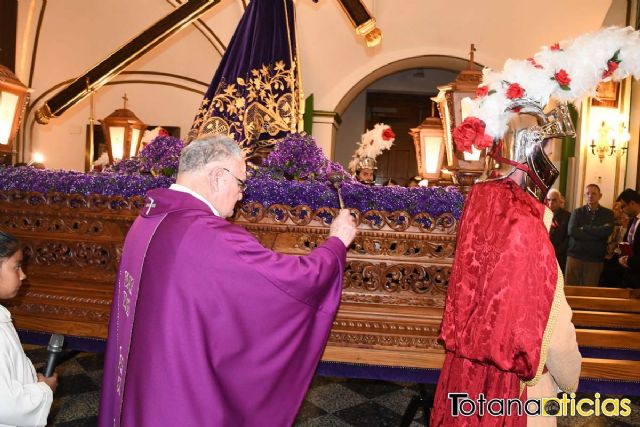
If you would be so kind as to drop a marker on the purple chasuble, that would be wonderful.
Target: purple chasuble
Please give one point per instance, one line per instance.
(224, 331)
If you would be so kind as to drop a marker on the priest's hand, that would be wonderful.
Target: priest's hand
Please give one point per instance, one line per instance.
(343, 227)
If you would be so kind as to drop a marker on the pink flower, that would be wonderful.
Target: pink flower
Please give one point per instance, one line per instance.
(482, 91)
(563, 79)
(470, 133)
(514, 91)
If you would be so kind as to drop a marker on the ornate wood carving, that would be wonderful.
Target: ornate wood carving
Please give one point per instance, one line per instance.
(78, 254)
(71, 313)
(360, 339)
(398, 221)
(395, 278)
(398, 267)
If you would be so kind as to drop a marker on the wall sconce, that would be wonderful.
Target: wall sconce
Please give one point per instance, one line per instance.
(610, 140)
(454, 104)
(37, 161)
(14, 97)
(123, 132)
(429, 145)
(363, 22)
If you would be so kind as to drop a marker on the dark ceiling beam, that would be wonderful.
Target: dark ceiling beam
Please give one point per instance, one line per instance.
(110, 67)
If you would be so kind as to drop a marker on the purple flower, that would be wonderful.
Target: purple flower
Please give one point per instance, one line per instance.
(296, 156)
(126, 166)
(161, 156)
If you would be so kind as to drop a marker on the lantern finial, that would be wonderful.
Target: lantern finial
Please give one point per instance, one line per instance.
(472, 49)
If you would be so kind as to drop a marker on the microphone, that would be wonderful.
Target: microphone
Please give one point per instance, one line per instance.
(54, 349)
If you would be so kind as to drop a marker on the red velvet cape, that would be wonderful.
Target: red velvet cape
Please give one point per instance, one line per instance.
(498, 302)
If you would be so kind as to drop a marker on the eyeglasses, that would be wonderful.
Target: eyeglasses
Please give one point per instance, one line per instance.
(242, 185)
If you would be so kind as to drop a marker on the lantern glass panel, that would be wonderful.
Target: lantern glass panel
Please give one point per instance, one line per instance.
(465, 106)
(116, 134)
(8, 103)
(474, 156)
(432, 154)
(135, 136)
(459, 107)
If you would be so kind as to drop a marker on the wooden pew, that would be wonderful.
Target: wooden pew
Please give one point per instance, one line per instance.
(596, 291)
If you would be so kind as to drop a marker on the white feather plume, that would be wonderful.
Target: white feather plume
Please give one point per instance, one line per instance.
(372, 144)
(585, 59)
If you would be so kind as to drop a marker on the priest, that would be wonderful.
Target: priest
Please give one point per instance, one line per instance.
(207, 326)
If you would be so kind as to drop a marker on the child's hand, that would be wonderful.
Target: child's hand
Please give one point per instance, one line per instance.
(51, 381)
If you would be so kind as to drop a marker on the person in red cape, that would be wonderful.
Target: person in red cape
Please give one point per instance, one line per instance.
(507, 326)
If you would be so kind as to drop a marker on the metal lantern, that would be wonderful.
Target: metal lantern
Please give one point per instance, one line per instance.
(123, 132)
(453, 102)
(14, 97)
(429, 146)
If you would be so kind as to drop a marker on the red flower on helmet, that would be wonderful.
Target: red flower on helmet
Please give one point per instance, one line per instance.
(514, 91)
(388, 134)
(612, 66)
(563, 79)
(555, 46)
(482, 91)
(470, 133)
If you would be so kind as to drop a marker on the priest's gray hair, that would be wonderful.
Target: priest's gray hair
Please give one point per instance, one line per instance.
(207, 149)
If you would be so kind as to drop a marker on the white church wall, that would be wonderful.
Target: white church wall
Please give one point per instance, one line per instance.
(77, 34)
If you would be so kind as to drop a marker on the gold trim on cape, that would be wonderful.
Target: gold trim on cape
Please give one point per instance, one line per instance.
(553, 315)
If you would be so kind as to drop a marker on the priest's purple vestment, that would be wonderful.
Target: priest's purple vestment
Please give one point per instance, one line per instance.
(210, 328)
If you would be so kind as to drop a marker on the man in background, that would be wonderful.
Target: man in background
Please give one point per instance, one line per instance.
(559, 231)
(630, 258)
(589, 229)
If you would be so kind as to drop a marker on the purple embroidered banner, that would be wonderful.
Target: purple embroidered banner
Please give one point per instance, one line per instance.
(255, 94)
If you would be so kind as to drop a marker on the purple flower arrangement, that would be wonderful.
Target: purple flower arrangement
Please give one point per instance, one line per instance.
(295, 173)
(297, 156)
(161, 156)
(126, 166)
(432, 200)
(107, 184)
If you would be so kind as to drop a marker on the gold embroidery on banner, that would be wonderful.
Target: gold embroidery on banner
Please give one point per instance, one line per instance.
(263, 103)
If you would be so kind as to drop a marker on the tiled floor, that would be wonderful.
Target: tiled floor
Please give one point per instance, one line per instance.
(330, 402)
